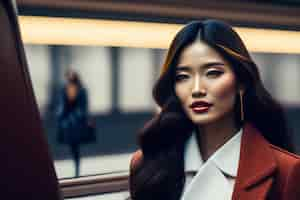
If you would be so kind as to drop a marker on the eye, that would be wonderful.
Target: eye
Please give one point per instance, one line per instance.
(214, 73)
(181, 77)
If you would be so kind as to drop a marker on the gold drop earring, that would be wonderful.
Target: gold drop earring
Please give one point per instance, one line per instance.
(242, 105)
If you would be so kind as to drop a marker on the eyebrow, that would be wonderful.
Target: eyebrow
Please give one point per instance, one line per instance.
(205, 66)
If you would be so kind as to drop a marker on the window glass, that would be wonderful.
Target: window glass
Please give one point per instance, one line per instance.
(38, 58)
(94, 65)
(117, 84)
(136, 80)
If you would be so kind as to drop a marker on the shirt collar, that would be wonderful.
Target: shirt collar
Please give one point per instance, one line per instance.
(226, 158)
(192, 156)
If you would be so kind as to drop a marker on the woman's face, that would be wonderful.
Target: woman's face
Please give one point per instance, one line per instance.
(205, 84)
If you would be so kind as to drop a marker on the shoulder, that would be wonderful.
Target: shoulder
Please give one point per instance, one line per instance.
(288, 172)
(284, 158)
(286, 161)
(62, 91)
(136, 159)
(82, 91)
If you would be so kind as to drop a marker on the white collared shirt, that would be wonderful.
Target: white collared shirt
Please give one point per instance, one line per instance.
(214, 178)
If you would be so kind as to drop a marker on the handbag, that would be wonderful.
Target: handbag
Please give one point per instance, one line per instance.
(89, 135)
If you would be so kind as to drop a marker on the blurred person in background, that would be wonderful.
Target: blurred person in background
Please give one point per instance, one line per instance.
(73, 115)
(220, 134)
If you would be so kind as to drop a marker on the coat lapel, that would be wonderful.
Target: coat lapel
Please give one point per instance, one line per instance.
(256, 166)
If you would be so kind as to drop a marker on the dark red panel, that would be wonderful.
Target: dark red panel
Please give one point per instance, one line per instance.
(26, 168)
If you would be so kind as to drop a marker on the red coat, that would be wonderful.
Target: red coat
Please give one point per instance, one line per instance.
(265, 171)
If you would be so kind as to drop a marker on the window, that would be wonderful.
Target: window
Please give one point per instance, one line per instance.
(118, 81)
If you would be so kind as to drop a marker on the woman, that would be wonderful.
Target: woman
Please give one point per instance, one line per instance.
(72, 116)
(219, 134)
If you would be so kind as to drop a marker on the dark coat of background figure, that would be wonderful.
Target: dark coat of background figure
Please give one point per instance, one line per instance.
(72, 118)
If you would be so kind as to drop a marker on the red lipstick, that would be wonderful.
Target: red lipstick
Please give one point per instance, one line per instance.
(200, 106)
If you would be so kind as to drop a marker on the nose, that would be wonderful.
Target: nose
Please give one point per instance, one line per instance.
(198, 89)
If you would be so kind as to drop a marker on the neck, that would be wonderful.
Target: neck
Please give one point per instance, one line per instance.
(213, 136)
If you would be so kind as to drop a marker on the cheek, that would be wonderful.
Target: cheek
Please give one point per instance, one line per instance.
(182, 92)
(225, 89)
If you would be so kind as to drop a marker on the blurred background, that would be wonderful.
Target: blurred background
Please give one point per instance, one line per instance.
(118, 47)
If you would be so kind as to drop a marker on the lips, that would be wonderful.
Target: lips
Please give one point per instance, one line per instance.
(200, 106)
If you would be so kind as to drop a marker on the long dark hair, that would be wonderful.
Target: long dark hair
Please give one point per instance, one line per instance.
(160, 174)
(73, 78)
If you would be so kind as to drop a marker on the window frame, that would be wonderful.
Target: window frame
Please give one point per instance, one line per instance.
(94, 184)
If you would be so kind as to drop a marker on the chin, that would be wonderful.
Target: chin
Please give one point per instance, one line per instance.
(208, 118)
(202, 120)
